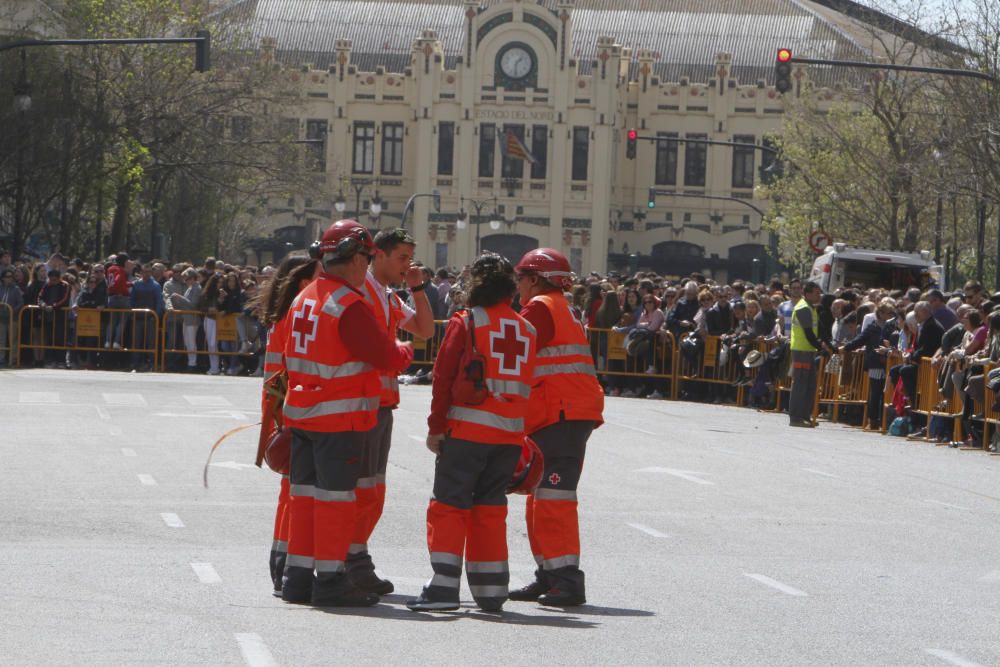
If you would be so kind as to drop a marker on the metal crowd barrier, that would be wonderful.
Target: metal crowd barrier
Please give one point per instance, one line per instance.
(657, 361)
(931, 401)
(9, 334)
(225, 331)
(991, 416)
(843, 381)
(88, 330)
(425, 350)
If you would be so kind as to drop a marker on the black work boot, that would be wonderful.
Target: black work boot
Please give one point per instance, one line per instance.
(370, 582)
(530, 592)
(361, 571)
(428, 602)
(567, 588)
(338, 591)
(297, 586)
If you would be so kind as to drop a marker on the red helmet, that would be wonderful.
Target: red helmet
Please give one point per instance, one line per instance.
(344, 238)
(530, 467)
(278, 453)
(549, 264)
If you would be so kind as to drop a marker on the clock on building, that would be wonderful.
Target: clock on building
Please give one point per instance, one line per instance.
(516, 62)
(516, 67)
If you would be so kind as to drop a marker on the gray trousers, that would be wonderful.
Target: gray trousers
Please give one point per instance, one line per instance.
(804, 372)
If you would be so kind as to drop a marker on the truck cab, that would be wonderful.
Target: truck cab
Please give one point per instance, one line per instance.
(842, 265)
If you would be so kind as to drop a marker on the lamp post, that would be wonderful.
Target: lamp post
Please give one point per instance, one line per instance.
(339, 205)
(375, 208)
(463, 217)
(22, 105)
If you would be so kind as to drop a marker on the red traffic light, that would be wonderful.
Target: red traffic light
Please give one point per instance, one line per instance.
(784, 55)
(632, 135)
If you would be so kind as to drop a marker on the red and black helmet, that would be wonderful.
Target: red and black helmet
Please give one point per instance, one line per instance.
(530, 467)
(344, 238)
(278, 453)
(549, 264)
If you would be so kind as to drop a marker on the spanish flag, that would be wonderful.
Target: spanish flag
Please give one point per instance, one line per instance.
(513, 149)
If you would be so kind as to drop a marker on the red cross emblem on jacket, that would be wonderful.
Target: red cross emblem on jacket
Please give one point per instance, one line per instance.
(304, 323)
(510, 346)
(554, 479)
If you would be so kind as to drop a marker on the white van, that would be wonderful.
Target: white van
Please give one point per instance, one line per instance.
(842, 265)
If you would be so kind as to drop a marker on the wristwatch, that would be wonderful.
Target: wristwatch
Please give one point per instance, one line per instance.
(421, 287)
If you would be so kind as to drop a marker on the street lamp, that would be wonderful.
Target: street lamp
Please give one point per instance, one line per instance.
(375, 208)
(22, 104)
(339, 204)
(463, 218)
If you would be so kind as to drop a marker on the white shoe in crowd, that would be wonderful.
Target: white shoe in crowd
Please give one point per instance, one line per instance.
(650, 370)
(213, 371)
(628, 393)
(656, 395)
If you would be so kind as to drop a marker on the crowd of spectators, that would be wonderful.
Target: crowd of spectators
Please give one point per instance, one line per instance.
(958, 331)
(187, 300)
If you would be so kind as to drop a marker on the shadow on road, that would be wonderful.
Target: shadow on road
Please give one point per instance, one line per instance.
(591, 610)
(393, 608)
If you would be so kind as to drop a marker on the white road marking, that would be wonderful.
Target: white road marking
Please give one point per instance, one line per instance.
(103, 413)
(784, 588)
(649, 531)
(688, 475)
(242, 416)
(948, 656)
(128, 451)
(820, 472)
(114, 430)
(422, 439)
(992, 576)
(726, 451)
(232, 465)
(208, 401)
(206, 573)
(129, 400)
(172, 520)
(254, 650)
(146, 480)
(39, 397)
(955, 507)
(633, 428)
(192, 415)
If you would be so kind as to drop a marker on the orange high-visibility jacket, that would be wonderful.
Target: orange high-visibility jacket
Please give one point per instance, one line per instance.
(565, 383)
(328, 390)
(507, 342)
(276, 338)
(392, 314)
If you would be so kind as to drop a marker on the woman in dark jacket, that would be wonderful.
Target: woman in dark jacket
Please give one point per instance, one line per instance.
(872, 338)
(826, 318)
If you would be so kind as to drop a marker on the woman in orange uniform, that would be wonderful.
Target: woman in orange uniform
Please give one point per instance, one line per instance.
(275, 301)
(476, 428)
(566, 405)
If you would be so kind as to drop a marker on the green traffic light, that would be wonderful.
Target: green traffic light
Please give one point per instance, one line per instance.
(651, 204)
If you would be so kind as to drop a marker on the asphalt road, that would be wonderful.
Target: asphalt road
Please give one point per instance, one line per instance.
(712, 536)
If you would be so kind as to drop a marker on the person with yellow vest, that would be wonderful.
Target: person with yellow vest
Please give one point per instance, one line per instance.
(392, 264)
(273, 306)
(482, 381)
(805, 345)
(567, 404)
(333, 355)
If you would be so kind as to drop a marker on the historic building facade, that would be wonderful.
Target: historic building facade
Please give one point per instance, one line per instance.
(567, 79)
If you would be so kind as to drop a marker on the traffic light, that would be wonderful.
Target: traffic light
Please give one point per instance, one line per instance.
(203, 51)
(783, 71)
(632, 136)
(437, 200)
(651, 203)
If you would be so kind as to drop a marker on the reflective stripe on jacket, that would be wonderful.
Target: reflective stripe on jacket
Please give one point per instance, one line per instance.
(328, 390)
(565, 384)
(507, 342)
(389, 389)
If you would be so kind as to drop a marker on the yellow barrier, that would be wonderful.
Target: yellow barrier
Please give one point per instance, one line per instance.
(656, 362)
(425, 350)
(843, 381)
(52, 329)
(931, 402)
(991, 416)
(9, 334)
(225, 331)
